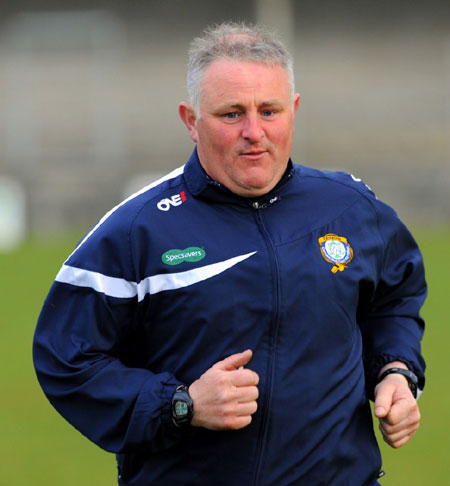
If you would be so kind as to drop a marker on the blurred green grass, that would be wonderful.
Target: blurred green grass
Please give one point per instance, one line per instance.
(39, 448)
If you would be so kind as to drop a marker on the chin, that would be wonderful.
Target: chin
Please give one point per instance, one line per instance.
(254, 190)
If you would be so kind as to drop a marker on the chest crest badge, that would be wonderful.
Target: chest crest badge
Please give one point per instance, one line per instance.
(336, 250)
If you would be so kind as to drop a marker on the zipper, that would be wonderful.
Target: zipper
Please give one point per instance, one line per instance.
(259, 205)
(273, 339)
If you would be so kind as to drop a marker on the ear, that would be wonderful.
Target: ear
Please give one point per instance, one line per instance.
(188, 117)
(296, 102)
(295, 108)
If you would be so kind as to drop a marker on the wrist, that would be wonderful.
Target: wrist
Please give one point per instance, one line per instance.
(407, 374)
(392, 364)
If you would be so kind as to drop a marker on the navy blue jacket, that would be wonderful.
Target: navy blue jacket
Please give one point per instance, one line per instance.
(319, 278)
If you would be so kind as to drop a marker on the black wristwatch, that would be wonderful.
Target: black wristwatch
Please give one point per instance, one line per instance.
(182, 407)
(408, 374)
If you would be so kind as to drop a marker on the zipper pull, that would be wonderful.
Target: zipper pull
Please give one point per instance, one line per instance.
(258, 205)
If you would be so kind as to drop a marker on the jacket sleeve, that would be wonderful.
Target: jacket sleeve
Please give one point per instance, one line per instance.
(390, 322)
(81, 336)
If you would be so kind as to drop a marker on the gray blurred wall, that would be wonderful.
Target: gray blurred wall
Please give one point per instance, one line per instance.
(89, 94)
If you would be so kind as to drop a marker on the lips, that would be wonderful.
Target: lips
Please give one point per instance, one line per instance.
(253, 154)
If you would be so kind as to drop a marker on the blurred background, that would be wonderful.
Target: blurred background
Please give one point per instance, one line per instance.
(89, 92)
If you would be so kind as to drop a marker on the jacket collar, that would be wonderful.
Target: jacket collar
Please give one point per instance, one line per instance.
(201, 185)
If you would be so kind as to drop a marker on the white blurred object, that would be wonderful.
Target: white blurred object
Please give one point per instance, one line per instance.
(12, 213)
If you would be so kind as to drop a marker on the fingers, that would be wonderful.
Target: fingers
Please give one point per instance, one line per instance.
(234, 361)
(393, 399)
(397, 410)
(247, 408)
(227, 392)
(248, 394)
(398, 435)
(235, 365)
(236, 423)
(225, 396)
(236, 415)
(408, 425)
(383, 400)
(245, 377)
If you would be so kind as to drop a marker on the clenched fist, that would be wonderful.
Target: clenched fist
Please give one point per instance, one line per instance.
(225, 396)
(396, 408)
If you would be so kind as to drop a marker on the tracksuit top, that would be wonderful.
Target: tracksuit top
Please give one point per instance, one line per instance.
(318, 277)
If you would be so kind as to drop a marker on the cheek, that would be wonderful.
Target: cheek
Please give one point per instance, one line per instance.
(282, 133)
(282, 138)
(223, 140)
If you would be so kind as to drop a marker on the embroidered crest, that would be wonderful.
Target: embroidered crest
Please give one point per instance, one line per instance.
(336, 250)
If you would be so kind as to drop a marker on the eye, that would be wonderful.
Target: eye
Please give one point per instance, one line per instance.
(232, 115)
(268, 113)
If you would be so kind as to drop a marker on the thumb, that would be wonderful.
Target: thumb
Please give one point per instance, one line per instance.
(383, 400)
(234, 361)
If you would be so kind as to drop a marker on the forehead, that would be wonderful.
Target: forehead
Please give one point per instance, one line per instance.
(227, 80)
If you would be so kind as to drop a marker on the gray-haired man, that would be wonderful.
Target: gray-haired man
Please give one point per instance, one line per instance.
(235, 335)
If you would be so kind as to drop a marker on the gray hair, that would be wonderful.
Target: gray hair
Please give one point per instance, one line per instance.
(234, 41)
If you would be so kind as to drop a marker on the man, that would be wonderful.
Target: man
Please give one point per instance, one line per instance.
(229, 323)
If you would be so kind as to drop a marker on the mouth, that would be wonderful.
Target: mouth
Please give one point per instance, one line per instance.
(253, 154)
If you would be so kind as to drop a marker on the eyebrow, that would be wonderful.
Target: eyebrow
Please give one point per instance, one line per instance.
(240, 106)
(273, 102)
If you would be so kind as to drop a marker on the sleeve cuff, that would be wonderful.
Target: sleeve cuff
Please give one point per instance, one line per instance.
(381, 360)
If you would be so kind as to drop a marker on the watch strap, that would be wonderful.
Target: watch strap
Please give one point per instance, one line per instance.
(408, 374)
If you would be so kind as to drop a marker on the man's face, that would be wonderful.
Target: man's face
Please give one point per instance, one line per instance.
(246, 125)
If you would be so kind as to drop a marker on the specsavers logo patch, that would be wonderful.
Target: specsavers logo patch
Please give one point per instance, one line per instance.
(191, 254)
(336, 250)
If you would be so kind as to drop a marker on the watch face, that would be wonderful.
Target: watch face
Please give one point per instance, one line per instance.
(181, 409)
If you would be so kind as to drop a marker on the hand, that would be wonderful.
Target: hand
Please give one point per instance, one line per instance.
(397, 410)
(225, 396)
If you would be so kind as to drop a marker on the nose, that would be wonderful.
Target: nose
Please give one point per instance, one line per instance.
(252, 129)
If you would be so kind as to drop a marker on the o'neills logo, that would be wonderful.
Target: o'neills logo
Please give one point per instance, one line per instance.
(175, 200)
(191, 254)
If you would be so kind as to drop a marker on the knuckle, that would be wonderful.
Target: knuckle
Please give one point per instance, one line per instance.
(229, 420)
(224, 394)
(221, 395)
(228, 412)
(222, 379)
